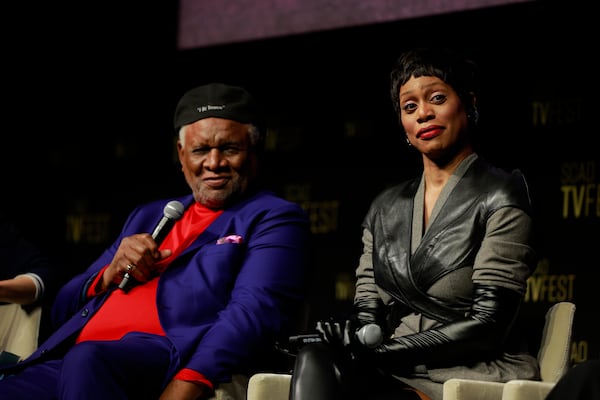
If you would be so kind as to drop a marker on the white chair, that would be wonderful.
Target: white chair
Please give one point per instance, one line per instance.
(269, 386)
(553, 356)
(19, 329)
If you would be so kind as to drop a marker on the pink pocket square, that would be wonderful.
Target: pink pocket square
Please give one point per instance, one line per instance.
(237, 239)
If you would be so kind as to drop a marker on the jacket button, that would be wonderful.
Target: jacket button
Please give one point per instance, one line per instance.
(85, 312)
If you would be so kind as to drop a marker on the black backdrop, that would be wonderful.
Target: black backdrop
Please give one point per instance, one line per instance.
(89, 92)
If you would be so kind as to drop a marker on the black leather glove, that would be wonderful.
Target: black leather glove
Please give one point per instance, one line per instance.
(352, 335)
(336, 334)
(480, 335)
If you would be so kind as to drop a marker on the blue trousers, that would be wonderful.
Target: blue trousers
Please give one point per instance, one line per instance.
(134, 367)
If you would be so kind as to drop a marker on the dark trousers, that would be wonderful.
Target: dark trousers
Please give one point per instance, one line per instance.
(134, 367)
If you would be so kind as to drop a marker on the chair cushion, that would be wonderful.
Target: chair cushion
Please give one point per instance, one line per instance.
(526, 390)
(456, 389)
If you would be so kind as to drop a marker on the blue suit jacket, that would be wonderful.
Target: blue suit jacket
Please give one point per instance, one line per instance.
(220, 304)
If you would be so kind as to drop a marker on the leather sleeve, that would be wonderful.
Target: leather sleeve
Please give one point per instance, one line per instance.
(367, 311)
(478, 336)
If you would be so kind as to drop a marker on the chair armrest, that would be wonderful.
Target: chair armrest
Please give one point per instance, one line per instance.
(519, 389)
(19, 329)
(457, 389)
(269, 386)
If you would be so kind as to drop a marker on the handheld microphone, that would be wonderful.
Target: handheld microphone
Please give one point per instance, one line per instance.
(369, 335)
(171, 213)
(301, 340)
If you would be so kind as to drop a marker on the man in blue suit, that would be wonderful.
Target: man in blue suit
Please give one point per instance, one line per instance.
(171, 318)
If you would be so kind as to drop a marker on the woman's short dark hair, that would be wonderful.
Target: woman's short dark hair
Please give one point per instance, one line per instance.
(450, 65)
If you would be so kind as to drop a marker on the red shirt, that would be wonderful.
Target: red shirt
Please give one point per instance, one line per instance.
(115, 318)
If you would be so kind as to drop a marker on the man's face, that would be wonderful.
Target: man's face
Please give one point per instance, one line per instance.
(217, 160)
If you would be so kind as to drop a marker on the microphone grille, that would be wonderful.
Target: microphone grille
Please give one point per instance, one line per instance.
(370, 335)
(173, 210)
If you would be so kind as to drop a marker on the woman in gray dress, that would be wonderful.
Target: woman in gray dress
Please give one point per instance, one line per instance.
(445, 260)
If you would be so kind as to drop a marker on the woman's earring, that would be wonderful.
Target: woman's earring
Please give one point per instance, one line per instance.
(408, 141)
(474, 116)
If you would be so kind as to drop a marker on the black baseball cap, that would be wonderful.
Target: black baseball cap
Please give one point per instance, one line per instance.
(218, 100)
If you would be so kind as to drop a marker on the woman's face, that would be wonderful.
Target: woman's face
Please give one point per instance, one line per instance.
(433, 117)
